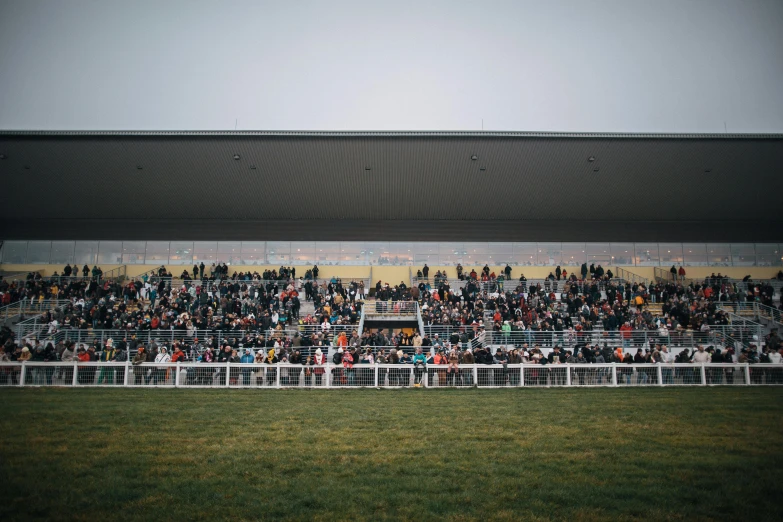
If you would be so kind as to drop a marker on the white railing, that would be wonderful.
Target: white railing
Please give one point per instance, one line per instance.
(237, 375)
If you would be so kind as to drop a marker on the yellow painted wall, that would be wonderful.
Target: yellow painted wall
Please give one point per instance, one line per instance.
(325, 271)
(394, 274)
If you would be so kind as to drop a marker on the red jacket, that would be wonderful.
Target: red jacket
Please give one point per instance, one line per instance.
(626, 329)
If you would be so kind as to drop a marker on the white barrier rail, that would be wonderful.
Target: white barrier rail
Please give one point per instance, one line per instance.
(236, 375)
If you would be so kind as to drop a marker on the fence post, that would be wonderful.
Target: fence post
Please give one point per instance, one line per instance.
(568, 374)
(614, 374)
(228, 363)
(127, 370)
(660, 374)
(747, 374)
(277, 375)
(703, 375)
(521, 375)
(22, 374)
(176, 377)
(475, 376)
(328, 374)
(75, 372)
(376, 375)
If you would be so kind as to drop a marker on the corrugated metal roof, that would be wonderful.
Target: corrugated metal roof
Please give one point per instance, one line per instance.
(321, 177)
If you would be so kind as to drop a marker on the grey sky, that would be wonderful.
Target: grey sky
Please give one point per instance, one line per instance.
(556, 65)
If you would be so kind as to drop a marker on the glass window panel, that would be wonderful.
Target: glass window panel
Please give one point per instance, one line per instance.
(768, 254)
(647, 254)
(205, 247)
(110, 252)
(253, 253)
(62, 252)
(401, 254)
(303, 253)
(133, 252)
(622, 253)
(550, 254)
(742, 254)
(278, 252)
(524, 254)
(598, 254)
(450, 254)
(157, 253)
(207, 259)
(352, 253)
(39, 252)
(85, 253)
(351, 247)
(574, 254)
(205, 252)
(230, 252)
(719, 254)
(500, 253)
(694, 254)
(375, 252)
(181, 253)
(671, 253)
(14, 252)
(430, 259)
(478, 253)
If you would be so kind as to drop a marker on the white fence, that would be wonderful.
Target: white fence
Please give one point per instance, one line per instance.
(232, 375)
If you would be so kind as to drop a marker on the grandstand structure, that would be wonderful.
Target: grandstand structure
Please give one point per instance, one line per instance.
(265, 247)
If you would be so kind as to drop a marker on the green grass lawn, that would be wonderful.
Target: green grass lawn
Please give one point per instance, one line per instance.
(88, 454)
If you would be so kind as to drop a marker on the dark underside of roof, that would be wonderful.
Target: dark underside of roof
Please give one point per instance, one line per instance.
(404, 186)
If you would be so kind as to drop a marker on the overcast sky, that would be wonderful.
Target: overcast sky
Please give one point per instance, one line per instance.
(554, 65)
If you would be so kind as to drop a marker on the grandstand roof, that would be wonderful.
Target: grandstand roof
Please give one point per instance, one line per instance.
(292, 185)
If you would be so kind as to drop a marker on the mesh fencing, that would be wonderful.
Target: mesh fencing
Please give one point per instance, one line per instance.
(282, 375)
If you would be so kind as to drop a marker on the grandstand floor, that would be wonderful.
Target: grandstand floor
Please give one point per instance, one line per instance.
(114, 454)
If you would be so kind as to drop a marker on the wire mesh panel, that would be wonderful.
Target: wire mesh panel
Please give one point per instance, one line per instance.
(557, 374)
(766, 373)
(637, 375)
(111, 374)
(397, 375)
(437, 375)
(591, 375)
(195, 374)
(730, 374)
(86, 374)
(538, 375)
(151, 374)
(10, 374)
(40, 374)
(688, 374)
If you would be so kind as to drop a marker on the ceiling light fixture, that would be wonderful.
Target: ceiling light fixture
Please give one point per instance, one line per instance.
(591, 159)
(27, 167)
(139, 167)
(252, 167)
(482, 169)
(3, 156)
(474, 157)
(367, 168)
(236, 157)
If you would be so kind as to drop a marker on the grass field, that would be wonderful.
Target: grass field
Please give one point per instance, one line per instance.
(87, 454)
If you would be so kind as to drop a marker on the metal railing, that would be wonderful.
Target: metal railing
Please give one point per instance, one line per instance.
(28, 307)
(281, 375)
(625, 275)
(756, 310)
(390, 308)
(745, 334)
